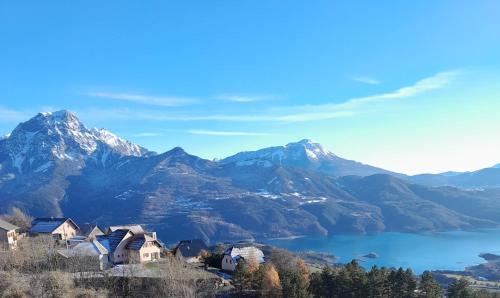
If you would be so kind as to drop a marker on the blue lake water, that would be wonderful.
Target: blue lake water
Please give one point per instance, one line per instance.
(433, 251)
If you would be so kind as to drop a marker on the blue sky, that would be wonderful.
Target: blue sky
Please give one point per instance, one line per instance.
(411, 87)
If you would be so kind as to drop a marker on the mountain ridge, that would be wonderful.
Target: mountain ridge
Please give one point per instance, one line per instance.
(95, 176)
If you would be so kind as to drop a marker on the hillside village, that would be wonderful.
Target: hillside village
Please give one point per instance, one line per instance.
(61, 256)
(121, 244)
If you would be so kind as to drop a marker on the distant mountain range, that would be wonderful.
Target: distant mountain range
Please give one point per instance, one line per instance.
(53, 165)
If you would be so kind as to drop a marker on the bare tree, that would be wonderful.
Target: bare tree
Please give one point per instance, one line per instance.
(17, 217)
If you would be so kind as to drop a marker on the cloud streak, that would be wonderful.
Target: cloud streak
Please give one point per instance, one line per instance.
(146, 134)
(366, 80)
(290, 114)
(165, 101)
(11, 115)
(149, 115)
(227, 133)
(244, 98)
(435, 82)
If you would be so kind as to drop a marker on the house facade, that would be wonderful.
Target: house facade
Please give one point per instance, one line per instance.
(61, 229)
(124, 246)
(90, 231)
(143, 248)
(8, 234)
(235, 254)
(95, 255)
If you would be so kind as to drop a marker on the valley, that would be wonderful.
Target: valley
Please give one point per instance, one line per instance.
(53, 165)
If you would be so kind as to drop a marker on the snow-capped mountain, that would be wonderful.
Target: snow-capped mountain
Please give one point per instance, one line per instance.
(305, 154)
(37, 144)
(52, 165)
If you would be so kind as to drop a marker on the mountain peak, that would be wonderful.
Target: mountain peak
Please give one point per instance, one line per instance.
(312, 149)
(62, 120)
(305, 141)
(176, 151)
(60, 135)
(61, 114)
(304, 154)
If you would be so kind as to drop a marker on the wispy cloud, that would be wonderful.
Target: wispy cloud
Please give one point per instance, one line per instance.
(366, 80)
(437, 81)
(166, 101)
(151, 115)
(146, 134)
(12, 115)
(227, 133)
(289, 114)
(244, 98)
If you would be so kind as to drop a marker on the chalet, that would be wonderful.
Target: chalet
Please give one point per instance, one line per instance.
(8, 234)
(95, 254)
(143, 248)
(125, 246)
(90, 231)
(136, 229)
(86, 233)
(61, 229)
(235, 254)
(190, 250)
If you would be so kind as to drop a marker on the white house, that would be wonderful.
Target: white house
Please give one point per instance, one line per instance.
(61, 229)
(125, 246)
(93, 250)
(234, 254)
(8, 234)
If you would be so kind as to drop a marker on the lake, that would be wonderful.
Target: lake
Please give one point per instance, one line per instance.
(433, 251)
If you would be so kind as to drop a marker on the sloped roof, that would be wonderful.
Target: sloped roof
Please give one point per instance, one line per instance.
(85, 249)
(111, 241)
(247, 253)
(136, 229)
(136, 243)
(7, 226)
(190, 248)
(87, 228)
(101, 248)
(139, 240)
(48, 225)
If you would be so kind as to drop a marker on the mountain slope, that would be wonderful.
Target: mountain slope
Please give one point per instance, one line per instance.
(307, 155)
(53, 165)
(481, 179)
(40, 154)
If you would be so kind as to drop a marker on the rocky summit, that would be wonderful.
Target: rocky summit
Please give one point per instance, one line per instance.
(53, 165)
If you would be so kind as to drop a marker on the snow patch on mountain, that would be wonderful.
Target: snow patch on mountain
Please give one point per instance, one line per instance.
(61, 136)
(302, 151)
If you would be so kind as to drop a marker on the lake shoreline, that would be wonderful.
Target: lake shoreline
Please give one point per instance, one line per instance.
(442, 250)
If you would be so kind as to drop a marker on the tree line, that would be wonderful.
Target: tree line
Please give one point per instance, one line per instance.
(285, 275)
(34, 269)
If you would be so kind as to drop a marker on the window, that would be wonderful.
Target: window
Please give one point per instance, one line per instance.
(145, 255)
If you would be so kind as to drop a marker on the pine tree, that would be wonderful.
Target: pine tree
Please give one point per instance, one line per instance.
(377, 284)
(459, 289)
(240, 277)
(293, 284)
(428, 287)
(410, 283)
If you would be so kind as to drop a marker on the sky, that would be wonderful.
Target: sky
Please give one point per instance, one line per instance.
(409, 86)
